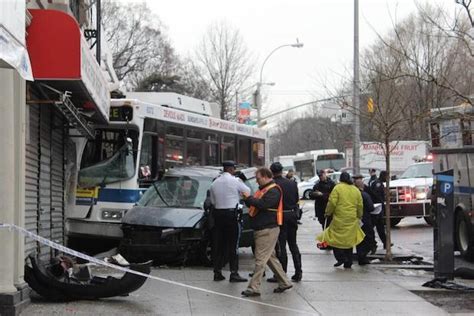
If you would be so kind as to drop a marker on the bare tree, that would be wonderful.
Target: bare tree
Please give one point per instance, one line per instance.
(226, 63)
(139, 47)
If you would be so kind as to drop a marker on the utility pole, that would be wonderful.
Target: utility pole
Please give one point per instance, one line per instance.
(356, 93)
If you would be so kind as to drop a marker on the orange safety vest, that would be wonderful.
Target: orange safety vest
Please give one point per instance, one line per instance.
(279, 211)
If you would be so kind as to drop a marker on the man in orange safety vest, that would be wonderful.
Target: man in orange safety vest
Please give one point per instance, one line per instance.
(266, 215)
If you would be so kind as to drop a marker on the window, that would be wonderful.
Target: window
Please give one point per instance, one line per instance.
(194, 134)
(258, 153)
(228, 148)
(175, 131)
(244, 152)
(174, 152)
(210, 156)
(211, 137)
(148, 157)
(194, 153)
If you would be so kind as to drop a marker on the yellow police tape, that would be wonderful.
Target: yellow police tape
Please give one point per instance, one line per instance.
(120, 268)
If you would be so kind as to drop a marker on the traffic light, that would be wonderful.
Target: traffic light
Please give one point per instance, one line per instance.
(370, 105)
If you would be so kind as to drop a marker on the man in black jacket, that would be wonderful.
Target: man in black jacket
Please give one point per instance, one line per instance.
(290, 223)
(376, 189)
(320, 194)
(265, 217)
(368, 243)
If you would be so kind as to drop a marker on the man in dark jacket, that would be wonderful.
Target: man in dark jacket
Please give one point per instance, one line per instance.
(376, 190)
(320, 194)
(290, 223)
(368, 243)
(266, 208)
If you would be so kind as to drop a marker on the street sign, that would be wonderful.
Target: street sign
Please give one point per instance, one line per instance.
(444, 224)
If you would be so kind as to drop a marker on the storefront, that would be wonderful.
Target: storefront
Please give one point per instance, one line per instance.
(69, 95)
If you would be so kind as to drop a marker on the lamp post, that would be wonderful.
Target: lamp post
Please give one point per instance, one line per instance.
(237, 93)
(258, 96)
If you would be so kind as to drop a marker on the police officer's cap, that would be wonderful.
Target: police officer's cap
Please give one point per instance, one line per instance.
(276, 167)
(228, 163)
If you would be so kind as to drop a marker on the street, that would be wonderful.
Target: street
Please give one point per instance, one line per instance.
(325, 290)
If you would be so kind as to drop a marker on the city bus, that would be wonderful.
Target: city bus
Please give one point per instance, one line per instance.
(308, 163)
(141, 142)
(452, 141)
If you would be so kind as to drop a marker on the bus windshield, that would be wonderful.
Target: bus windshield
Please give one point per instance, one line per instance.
(330, 161)
(109, 158)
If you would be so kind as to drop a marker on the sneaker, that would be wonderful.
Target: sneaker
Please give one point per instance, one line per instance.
(339, 263)
(249, 293)
(282, 289)
(218, 276)
(235, 277)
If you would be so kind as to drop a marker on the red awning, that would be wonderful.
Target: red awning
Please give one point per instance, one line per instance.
(60, 56)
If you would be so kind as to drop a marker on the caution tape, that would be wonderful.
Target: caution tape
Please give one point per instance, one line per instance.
(77, 254)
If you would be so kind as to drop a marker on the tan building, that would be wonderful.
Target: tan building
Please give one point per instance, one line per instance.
(43, 121)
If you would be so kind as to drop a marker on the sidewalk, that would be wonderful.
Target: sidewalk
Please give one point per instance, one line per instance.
(325, 290)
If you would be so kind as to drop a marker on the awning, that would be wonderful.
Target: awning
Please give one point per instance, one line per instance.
(13, 54)
(61, 58)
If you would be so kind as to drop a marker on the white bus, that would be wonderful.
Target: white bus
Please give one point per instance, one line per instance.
(142, 141)
(308, 163)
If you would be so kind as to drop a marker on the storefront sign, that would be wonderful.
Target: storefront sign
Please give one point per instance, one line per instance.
(13, 53)
(94, 80)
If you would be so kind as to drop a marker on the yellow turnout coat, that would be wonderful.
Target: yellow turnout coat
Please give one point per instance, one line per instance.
(346, 207)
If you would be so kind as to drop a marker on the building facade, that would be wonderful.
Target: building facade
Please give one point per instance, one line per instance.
(52, 94)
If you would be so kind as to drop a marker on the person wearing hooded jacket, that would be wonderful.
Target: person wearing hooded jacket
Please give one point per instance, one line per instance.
(346, 208)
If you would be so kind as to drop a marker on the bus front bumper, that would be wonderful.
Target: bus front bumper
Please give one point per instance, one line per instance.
(89, 229)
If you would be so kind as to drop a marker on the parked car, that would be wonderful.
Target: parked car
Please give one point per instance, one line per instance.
(305, 187)
(169, 223)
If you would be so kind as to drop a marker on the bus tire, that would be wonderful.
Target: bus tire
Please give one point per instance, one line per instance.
(394, 221)
(306, 194)
(463, 234)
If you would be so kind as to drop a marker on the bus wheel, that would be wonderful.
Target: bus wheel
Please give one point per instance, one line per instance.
(463, 237)
(306, 194)
(394, 221)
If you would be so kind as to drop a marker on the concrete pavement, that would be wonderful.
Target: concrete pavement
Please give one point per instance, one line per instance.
(325, 290)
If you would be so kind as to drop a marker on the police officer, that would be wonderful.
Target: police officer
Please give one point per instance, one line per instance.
(290, 223)
(320, 194)
(376, 189)
(368, 243)
(225, 194)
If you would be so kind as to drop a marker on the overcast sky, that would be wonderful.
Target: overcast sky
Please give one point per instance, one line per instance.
(324, 26)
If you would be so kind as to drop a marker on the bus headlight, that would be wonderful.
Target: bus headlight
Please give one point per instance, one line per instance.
(112, 214)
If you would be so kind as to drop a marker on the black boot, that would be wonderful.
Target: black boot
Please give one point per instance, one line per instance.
(298, 272)
(218, 276)
(235, 277)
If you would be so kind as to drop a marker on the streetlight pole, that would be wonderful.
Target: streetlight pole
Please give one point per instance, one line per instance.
(258, 95)
(356, 93)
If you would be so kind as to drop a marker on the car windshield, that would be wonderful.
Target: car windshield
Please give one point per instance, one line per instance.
(418, 171)
(177, 191)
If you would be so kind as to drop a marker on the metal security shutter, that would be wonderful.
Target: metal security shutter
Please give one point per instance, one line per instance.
(44, 211)
(57, 178)
(32, 177)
